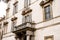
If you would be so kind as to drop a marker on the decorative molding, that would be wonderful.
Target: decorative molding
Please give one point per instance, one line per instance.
(25, 23)
(5, 23)
(20, 27)
(26, 11)
(7, 9)
(48, 20)
(14, 18)
(15, 2)
(42, 3)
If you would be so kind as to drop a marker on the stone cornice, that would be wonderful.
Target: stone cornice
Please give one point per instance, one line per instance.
(26, 11)
(14, 18)
(42, 3)
(5, 23)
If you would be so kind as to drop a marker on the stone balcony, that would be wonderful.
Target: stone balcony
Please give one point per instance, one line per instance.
(24, 27)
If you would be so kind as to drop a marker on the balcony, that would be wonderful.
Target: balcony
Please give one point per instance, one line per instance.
(23, 27)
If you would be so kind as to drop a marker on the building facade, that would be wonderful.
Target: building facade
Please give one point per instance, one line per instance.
(31, 20)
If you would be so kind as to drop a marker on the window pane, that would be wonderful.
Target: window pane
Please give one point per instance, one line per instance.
(47, 9)
(27, 3)
(47, 12)
(47, 16)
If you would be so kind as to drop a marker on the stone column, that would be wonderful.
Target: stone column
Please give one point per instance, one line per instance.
(28, 34)
(28, 37)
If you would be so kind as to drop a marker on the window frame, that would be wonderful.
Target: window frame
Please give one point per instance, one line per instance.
(7, 12)
(27, 3)
(51, 13)
(5, 29)
(14, 23)
(45, 9)
(27, 18)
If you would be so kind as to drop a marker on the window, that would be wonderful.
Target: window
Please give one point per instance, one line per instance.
(27, 18)
(31, 37)
(47, 12)
(47, 8)
(7, 12)
(14, 23)
(48, 38)
(5, 28)
(26, 3)
(15, 9)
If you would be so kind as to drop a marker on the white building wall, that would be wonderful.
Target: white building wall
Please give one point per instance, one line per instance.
(37, 16)
(51, 30)
(56, 8)
(9, 36)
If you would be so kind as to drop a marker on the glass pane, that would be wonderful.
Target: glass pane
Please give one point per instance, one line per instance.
(47, 12)
(47, 16)
(47, 9)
